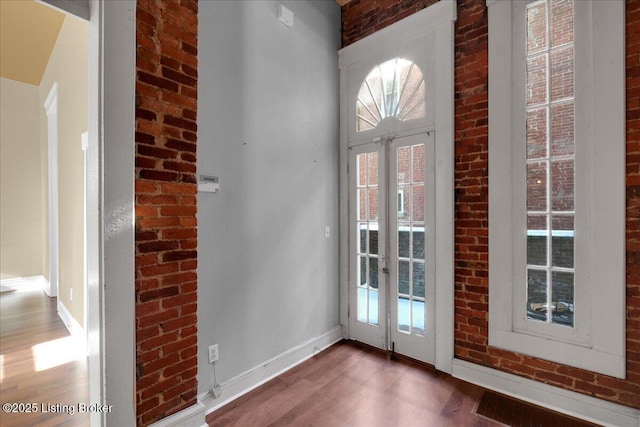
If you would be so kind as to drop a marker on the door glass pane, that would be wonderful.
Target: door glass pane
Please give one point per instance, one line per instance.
(362, 204)
(404, 314)
(418, 242)
(373, 307)
(373, 272)
(403, 203)
(404, 161)
(362, 270)
(362, 237)
(417, 163)
(373, 169)
(403, 243)
(418, 279)
(403, 277)
(373, 242)
(362, 305)
(373, 204)
(418, 317)
(417, 199)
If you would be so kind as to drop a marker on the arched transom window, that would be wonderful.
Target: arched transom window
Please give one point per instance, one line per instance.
(392, 89)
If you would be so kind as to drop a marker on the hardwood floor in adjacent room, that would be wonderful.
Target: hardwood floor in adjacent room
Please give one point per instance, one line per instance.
(352, 385)
(40, 363)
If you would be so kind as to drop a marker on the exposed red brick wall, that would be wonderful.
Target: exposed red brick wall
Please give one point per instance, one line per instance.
(363, 17)
(633, 197)
(165, 192)
(471, 209)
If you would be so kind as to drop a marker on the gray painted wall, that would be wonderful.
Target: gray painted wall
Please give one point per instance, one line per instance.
(268, 128)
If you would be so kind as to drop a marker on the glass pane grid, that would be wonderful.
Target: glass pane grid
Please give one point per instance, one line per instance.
(550, 162)
(411, 253)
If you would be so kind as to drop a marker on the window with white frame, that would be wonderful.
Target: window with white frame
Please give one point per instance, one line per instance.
(556, 181)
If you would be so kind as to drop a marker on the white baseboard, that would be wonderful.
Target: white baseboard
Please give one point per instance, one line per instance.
(24, 283)
(260, 374)
(73, 326)
(558, 399)
(194, 416)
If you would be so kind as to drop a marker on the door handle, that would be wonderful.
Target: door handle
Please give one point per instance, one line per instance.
(385, 270)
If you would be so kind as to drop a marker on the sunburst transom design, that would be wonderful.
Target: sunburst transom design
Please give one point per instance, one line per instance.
(394, 88)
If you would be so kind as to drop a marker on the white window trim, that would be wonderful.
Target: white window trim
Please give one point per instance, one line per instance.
(597, 342)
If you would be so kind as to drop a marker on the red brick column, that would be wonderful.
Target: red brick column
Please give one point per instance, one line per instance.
(472, 182)
(166, 224)
(633, 197)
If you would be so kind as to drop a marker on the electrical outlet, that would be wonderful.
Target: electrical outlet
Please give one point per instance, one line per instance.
(213, 353)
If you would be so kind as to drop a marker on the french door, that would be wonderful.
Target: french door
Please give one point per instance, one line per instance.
(392, 270)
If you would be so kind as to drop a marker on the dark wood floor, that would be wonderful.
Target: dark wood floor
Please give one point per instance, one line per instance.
(352, 385)
(28, 319)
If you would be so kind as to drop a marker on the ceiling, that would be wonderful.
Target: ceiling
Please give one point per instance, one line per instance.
(28, 32)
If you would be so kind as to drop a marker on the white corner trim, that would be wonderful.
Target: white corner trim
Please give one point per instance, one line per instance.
(260, 374)
(193, 416)
(53, 95)
(558, 399)
(73, 326)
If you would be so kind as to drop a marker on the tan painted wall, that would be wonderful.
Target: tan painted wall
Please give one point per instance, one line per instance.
(68, 66)
(21, 221)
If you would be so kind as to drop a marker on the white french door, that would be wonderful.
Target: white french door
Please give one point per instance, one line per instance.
(396, 154)
(392, 290)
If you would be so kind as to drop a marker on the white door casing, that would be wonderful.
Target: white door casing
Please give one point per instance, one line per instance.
(51, 110)
(425, 39)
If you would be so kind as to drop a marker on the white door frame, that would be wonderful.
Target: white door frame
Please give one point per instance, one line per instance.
(438, 20)
(51, 110)
(110, 209)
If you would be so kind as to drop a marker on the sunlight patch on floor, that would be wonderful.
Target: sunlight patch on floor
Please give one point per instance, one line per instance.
(54, 353)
